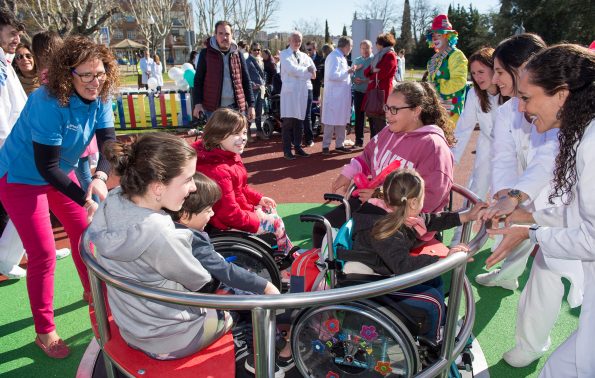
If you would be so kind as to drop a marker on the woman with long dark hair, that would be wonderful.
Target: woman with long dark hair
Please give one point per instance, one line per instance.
(557, 90)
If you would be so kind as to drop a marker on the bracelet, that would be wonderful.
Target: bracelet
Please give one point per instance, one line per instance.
(100, 177)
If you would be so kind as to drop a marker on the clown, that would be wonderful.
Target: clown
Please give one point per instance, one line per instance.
(447, 68)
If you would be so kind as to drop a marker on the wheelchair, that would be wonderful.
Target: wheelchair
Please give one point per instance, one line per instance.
(272, 117)
(380, 336)
(256, 253)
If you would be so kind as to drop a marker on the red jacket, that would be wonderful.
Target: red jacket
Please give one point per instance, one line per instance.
(387, 67)
(235, 209)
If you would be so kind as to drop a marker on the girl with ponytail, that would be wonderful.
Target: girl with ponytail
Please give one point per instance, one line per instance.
(418, 134)
(386, 229)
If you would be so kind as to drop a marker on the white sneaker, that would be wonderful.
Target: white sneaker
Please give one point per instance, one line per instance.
(516, 357)
(62, 253)
(14, 272)
(491, 279)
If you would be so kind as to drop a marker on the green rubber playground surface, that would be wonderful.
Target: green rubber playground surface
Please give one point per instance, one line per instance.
(19, 357)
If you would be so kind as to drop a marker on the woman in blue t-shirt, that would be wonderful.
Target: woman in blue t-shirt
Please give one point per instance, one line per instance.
(37, 163)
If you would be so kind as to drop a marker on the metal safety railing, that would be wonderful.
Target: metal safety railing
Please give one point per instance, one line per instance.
(263, 306)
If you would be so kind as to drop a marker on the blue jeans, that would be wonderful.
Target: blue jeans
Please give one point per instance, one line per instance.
(308, 135)
(83, 174)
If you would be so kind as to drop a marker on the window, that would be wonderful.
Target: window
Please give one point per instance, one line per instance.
(131, 34)
(118, 34)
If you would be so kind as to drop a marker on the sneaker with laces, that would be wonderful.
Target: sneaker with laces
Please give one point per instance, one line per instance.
(285, 363)
(13, 272)
(249, 366)
(491, 279)
(516, 357)
(62, 253)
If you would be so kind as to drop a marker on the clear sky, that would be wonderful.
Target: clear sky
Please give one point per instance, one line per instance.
(340, 12)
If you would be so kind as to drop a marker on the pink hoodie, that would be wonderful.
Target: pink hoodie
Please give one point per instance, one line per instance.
(424, 149)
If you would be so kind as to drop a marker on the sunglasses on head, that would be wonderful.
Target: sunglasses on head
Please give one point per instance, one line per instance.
(21, 56)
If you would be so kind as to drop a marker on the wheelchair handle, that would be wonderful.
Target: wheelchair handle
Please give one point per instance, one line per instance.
(333, 197)
(329, 238)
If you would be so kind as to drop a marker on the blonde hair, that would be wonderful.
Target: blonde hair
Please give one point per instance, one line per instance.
(223, 123)
(399, 187)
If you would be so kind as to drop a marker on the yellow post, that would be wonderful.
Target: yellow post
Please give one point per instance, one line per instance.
(141, 113)
(173, 109)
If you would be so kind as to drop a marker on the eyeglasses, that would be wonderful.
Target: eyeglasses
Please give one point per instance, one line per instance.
(256, 50)
(395, 109)
(89, 77)
(21, 56)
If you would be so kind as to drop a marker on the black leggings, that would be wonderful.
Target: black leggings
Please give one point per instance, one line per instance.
(336, 217)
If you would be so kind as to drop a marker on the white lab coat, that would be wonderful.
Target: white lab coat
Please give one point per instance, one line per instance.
(522, 158)
(146, 65)
(12, 101)
(479, 182)
(295, 77)
(575, 243)
(157, 72)
(337, 90)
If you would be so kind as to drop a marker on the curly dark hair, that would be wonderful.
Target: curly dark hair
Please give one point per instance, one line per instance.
(567, 67)
(152, 157)
(432, 111)
(76, 51)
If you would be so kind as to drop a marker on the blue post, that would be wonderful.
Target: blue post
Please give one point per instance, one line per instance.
(152, 110)
(183, 104)
(121, 112)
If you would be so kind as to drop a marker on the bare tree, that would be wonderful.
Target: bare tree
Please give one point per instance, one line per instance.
(422, 15)
(154, 20)
(251, 16)
(384, 10)
(310, 27)
(208, 12)
(84, 17)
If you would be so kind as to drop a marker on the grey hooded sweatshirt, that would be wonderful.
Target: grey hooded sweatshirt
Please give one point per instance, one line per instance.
(143, 245)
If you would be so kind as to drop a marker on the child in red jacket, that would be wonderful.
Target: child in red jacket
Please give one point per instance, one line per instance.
(240, 207)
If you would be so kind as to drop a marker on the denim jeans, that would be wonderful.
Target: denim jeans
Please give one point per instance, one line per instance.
(258, 109)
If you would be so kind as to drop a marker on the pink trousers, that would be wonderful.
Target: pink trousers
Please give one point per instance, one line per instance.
(29, 209)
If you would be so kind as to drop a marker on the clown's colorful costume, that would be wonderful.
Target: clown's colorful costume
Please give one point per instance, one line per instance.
(447, 68)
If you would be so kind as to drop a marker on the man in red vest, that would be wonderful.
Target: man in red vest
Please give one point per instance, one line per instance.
(222, 78)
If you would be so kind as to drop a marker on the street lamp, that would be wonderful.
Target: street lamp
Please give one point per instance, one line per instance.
(151, 22)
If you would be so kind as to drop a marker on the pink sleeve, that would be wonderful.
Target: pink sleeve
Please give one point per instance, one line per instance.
(91, 148)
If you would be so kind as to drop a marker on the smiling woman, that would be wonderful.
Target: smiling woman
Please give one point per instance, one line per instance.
(24, 66)
(36, 169)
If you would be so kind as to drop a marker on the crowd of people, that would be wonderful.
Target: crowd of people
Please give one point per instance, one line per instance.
(534, 105)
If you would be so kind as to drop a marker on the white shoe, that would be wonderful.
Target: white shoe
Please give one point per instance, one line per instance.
(491, 279)
(14, 272)
(516, 357)
(62, 253)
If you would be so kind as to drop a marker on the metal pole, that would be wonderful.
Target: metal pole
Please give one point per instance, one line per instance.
(264, 328)
(452, 315)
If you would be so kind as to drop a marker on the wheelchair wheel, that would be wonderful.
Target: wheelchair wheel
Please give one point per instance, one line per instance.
(316, 125)
(248, 252)
(268, 127)
(357, 339)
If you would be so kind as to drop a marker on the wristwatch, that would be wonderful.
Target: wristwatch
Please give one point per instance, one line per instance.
(515, 193)
(100, 177)
(533, 233)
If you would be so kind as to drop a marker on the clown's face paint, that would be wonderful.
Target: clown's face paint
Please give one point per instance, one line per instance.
(439, 41)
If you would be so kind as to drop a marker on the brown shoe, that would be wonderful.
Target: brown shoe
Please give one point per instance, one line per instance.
(58, 349)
